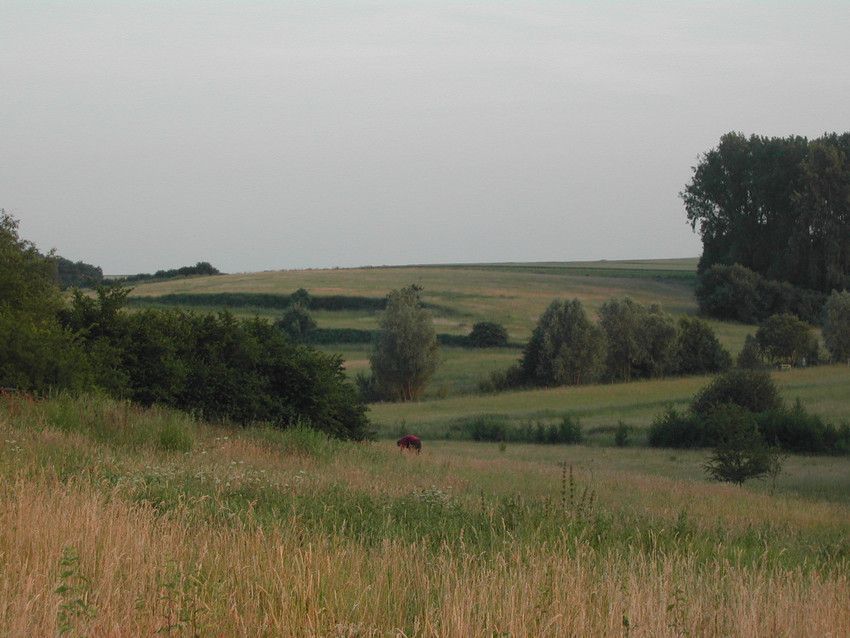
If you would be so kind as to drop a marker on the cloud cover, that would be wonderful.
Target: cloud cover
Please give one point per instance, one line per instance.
(265, 135)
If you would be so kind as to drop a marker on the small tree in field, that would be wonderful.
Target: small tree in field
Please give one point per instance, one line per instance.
(405, 355)
(785, 339)
(297, 323)
(741, 452)
(698, 350)
(836, 326)
(565, 347)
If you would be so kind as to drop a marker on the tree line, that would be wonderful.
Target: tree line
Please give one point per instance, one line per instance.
(213, 365)
(779, 206)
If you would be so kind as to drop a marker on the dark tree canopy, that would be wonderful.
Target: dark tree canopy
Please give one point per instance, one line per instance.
(698, 349)
(566, 348)
(779, 206)
(786, 339)
(487, 334)
(77, 274)
(641, 339)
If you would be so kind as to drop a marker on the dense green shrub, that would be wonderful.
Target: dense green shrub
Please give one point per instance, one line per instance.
(733, 292)
(622, 434)
(740, 452)
(641, 340)
(566, 348)
(836, 326)
(487, 334)
(405, 354)
(753, 390)
(510, 378)
(750, 357)
(698, 350)
(77, 274)
(786, 339)
(796, 430)
(36, 353)
(498, 429)
(296, 323)
(216, 366)
(679, 429)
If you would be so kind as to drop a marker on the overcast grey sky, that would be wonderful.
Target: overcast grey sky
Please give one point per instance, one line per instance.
(266, 135)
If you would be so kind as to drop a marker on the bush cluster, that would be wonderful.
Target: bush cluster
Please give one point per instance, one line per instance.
(495, 429)
(735, 293)
(216, 366)
(631, 341)
(753, 392)
(487, 334)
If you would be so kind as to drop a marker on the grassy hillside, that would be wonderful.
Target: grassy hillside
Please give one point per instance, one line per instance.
(513, 294)
(823, 390)
(120, 521)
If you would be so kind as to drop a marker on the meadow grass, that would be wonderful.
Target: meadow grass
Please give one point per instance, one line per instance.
(255, 531)
(822, 389)
(512, 294)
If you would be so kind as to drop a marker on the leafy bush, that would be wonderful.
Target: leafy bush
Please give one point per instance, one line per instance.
(510, 378)
(698, 350)
(786, 339)
(496, 428)
(296, 323)
(751, 357)
(487, 334)
(641, 340)
(565, 347)
(217, 366)
(836, 326)
(367, 387)
(753, 390)
(796, 430)
(733, 292)
(79, 274)
(405, 354)
(740, 453)
(681, 430)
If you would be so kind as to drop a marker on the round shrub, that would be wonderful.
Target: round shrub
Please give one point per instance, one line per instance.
(753, 390)
(488, 334)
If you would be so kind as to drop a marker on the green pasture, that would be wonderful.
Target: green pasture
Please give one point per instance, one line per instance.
(824, 390)
(513, 294)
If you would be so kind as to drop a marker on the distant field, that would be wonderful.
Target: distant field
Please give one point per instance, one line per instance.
(824, 390)
(513, 294)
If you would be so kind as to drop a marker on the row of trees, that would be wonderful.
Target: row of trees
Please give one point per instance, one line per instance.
(779, 206)
(216, 366)
(631, 341)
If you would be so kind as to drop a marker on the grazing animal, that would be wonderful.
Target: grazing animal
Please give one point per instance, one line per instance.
(410, 442)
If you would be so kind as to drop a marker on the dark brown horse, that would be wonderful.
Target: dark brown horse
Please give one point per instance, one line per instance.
(409, 442)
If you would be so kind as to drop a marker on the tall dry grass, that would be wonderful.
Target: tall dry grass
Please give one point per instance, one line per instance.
(140, 573)
(107, 528)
